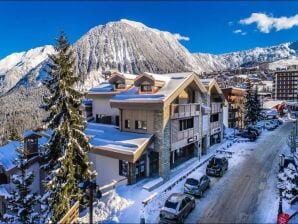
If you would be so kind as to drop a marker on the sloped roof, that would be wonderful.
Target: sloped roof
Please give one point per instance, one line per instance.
(108, 140)
(173, 81)
(8, 154)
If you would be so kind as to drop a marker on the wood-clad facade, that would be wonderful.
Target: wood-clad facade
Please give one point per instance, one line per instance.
(171, 109)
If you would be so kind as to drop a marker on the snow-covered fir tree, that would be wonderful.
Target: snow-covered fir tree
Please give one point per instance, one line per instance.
(22, 203)
(67, 151)
(257, 104)
(250, 113)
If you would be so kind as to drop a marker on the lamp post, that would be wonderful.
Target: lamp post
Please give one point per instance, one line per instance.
(91, 187)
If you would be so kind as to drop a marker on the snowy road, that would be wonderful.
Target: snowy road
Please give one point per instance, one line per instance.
(242, 195)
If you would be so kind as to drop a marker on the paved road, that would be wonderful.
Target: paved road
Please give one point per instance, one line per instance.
(239, 193)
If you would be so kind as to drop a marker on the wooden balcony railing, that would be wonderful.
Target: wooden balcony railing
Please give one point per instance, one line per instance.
(185, 110)
(215, 107)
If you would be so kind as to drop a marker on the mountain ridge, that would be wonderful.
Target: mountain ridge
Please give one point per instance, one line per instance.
(128, 46)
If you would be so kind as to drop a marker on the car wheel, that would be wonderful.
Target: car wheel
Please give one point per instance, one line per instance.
(193, 205)
(221, 173)
(181, 220)
(208, 186)
(201, 194)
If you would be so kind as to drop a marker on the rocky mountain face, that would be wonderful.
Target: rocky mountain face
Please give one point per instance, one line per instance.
(125, 45)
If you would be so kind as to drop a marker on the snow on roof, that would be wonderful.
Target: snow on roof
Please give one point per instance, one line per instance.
(28, 133)
(292, 103)
(172, 82)
(87, 102)
(128, 76)
(3, 192)
(272, 112)
(109, 136)
(206, 82)
(272, 103)
(103, 87)
(132, 94)
(159, 77)
(8, 154)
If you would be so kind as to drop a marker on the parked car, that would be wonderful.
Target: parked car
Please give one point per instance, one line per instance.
(280, 122)
(255, 128)
(217, 166)
(176, 208)
(252, 136)
(274, 123)
(196, 187)
(269, 126)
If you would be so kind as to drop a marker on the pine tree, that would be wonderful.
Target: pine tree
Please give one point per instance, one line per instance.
(250, 114)
(13, 134)
(67, 150)
(257, 104)
(22, 203)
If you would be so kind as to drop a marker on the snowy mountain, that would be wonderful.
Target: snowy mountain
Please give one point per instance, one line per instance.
(132, 47)
(18, 66)
(267, 54)
(125, 45)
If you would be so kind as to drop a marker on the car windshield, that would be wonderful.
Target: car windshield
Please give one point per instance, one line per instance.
(218, 160)
(192, 181)
(170, 204)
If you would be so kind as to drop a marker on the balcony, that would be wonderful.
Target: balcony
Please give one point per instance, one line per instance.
(185, 110)
(214, 125)
(216, 107)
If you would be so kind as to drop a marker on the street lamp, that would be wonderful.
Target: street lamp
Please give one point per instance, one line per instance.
(89, 187)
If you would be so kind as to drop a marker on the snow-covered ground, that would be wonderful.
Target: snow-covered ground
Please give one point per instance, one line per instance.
(125, 204)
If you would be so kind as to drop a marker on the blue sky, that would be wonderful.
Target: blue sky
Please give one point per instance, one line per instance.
(212, 27)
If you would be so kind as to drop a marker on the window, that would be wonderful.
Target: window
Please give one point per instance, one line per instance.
(127, 124)
(146, 87)
(141, 125)
(185, 124)
(119, 85)
(183, 204)
(214, 118)
(123, 168)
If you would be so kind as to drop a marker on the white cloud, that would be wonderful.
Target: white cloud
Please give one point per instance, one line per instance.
(180, 37)
(266, 23)
(239, 31)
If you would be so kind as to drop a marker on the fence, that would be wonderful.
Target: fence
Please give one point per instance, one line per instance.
(72, 215)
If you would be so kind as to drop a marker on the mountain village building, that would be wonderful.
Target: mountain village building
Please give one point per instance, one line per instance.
(285, 85)
(235, 98)
(146, 125)
(33, 142)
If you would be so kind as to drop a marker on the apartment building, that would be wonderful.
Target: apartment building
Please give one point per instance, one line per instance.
(285, 85)
(235, 98)
(213, 119)
(154, 124)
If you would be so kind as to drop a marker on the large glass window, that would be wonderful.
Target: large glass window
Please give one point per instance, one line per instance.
(214, 118)
(185, 124)
(123, 168)
(140, 125)
(127, 124)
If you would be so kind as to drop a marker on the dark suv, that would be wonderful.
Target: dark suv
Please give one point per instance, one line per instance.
(176, 208)
(217, 166)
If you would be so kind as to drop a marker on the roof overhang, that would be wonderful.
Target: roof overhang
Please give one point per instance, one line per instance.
(137, 104)
(121, 154)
